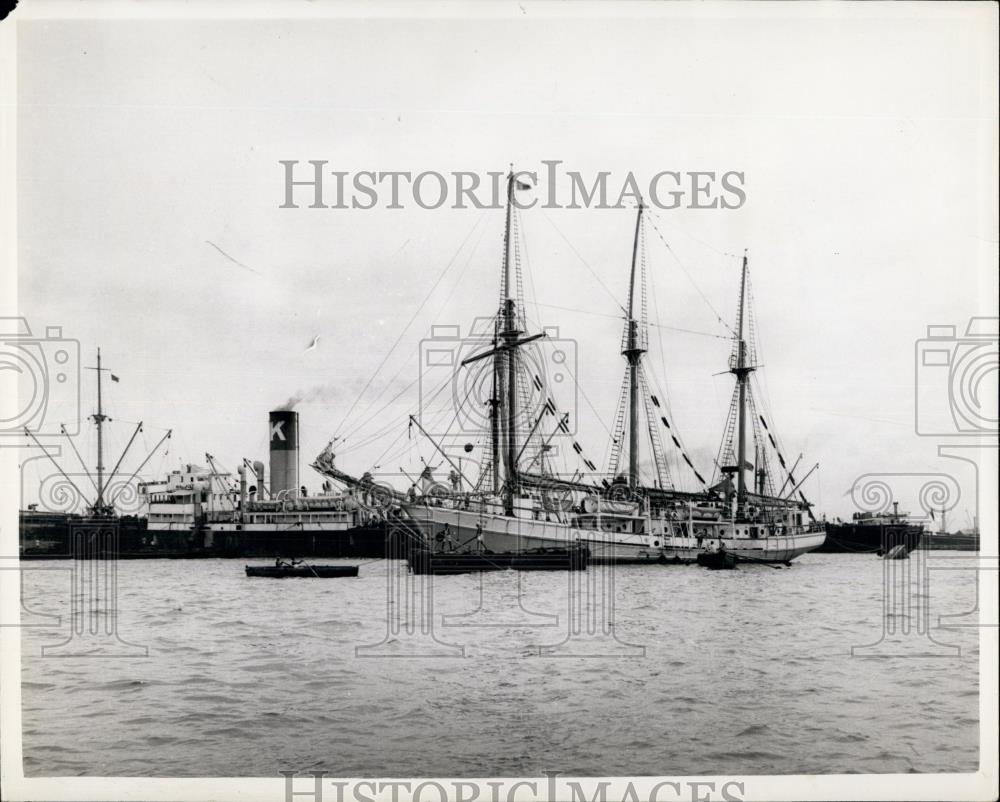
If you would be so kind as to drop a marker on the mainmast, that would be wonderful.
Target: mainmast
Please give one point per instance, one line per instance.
(636, 402)
(742, 371)
(633, 352)
(495, 418)
(510, 334)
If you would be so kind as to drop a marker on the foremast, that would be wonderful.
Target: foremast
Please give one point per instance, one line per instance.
(99, 506)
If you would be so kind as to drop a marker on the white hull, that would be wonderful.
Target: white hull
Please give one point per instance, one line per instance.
(771, 549)
(504, 533)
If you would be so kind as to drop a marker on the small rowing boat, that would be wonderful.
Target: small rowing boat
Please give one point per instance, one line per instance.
(717, 560)
(314, 571)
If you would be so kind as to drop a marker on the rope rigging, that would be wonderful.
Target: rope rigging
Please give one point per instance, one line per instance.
(406, 328)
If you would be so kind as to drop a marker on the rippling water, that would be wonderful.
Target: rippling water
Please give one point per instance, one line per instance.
(746, 671)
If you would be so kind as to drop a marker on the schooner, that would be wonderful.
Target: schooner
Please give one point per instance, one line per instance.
(519, 503)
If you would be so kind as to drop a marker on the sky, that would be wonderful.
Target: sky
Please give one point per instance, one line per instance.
(149, 193)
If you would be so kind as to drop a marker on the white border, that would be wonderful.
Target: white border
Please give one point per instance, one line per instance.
(978, 786)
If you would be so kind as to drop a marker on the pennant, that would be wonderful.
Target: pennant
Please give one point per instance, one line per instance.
(114, 378)
(763, 421)
(656, 401)
(664, 421)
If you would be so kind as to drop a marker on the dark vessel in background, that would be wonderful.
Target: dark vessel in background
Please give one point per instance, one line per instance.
(943, 540)
(51, 535)
(873, 533)
(951, 541)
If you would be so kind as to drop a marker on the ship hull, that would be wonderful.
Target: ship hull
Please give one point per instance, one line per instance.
(63, 536)
(946, 541)
(771, 549)
(375, 540)
(55, 536)
(871, 538)
(503, 533)
(506, 534)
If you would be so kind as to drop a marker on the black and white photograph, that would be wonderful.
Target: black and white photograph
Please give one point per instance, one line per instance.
(499, 401)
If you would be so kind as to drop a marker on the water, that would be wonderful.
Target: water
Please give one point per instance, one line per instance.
(746, 671)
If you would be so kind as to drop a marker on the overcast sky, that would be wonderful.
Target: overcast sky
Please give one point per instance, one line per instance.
(149, 188)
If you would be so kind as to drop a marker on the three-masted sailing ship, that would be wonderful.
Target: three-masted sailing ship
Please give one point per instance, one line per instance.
(519, 503)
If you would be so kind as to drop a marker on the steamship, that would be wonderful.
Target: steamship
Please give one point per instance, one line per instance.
(244, 516)
(874, 533)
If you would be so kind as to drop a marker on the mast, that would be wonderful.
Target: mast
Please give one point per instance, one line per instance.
(510, 333)
(495, 419)
(503, 353)
(742, 371)
(633, 353)
(99, 420)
